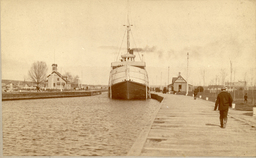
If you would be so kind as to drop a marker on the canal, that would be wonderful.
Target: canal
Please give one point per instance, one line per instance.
(79, 126)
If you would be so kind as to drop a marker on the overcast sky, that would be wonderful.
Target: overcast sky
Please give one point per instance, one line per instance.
(84, 36)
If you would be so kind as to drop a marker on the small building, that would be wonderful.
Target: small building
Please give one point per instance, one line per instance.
(9, 87)
(239, 85)
(56, 80)
(179, 84)
(215, 88)
(4, 87)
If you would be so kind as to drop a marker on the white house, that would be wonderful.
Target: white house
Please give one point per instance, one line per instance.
(56, 80)
(179, 84)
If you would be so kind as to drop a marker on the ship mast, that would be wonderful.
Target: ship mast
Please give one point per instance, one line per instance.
(128, 36)
(128, 33)
(128, 29)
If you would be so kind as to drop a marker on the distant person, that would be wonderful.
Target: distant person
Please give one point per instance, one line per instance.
(245, 98)
(164, 90)
(195, 94)
(223, 102)
(37, 88)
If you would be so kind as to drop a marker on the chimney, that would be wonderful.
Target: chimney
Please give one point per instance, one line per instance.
(54, 67)
(179, 73)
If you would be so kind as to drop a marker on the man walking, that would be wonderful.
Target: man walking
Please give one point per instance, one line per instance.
(223, 102)
(195, 93)
(245, 98)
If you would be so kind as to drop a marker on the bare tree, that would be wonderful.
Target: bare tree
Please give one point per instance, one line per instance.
(252, 71)
(69, 76)
(37, 72)
(217, 80)
(203, 76)
(212, 81)
(223, 75)
(76, 79)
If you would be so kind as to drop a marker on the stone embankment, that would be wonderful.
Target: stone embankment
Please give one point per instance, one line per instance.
(44, 95)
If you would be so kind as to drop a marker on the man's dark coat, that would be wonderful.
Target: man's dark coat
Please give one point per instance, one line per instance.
(224, 100)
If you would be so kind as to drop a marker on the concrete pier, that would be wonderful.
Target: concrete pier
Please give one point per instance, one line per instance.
(186, 127)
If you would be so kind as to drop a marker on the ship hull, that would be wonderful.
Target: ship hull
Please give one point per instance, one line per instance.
(128, 90)
(128, 82)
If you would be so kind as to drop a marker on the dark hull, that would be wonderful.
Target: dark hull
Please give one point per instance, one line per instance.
(129, 90)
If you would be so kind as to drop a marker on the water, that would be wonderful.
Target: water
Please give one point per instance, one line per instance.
(80, 126)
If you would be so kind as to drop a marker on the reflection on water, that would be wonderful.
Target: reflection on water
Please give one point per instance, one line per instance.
(83, 126)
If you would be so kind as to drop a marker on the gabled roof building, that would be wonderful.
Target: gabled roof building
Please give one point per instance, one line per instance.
(179, 84)
(56, 80)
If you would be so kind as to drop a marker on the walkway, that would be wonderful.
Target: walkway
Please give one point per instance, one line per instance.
(187, 127)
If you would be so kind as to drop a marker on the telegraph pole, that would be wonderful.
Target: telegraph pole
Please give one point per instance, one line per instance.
(168, 78)
(187, 73)
(231, 75)
(234, 85)
(161, 80)
(230, 71)
(253, 101)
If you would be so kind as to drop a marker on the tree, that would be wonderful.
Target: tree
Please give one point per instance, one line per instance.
(203, 76)
(37, 72)
(76, 79)
(199, 89)
(223, 75)
(69, 76)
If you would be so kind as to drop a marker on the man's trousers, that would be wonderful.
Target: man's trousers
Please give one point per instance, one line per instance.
(223, 117)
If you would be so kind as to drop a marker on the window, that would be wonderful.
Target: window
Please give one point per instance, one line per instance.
(58, 79)
(53, 84)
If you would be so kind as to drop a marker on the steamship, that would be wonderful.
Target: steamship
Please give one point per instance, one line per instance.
(128, 78)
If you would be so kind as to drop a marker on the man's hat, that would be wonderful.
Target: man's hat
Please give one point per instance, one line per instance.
(223, 88)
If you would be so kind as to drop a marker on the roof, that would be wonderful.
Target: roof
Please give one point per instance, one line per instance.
(56, 72)
(178, 79)
(174, 79)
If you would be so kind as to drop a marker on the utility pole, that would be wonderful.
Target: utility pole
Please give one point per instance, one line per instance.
(245, 88)
(81, 79)
(231, 75)
(156, 80)
(253, 86)
(168, 78)
(253, 101)
(187, 73)
(54, 57)
(161, 80)
(234, 85)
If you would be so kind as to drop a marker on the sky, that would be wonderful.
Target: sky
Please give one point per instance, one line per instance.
(83, 37)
